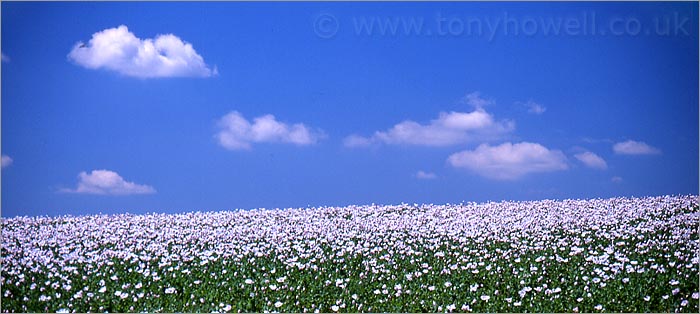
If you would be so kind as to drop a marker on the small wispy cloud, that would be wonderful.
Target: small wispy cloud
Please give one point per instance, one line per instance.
(616, 179)
(106, 182)
(119, 50)
(4, 57)
(353, 141)
(635, 148)
(533, 107)
(6, 161)
(237, 133)
(509, 161)
(591, 140)
(475, 100)
(425, 175)
(592, 160)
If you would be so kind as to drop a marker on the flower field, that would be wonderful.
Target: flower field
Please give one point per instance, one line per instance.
(601, 255)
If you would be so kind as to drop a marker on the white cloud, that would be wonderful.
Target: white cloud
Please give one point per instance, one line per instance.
(6, 161)
(236, 133)
(4, 57)
(535, 108)
(509, 161)
(119, 50)
(592, 160)
(105, 182)
(448, 129)
(425, 175)
(475, 100)
(634, 148)
(616, 179)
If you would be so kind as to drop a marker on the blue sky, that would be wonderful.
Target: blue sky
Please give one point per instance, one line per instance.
(248, 105)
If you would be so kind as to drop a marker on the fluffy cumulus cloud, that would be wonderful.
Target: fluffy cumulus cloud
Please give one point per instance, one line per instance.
(237, 133)
(448, 129)
(592, 160)
(6, 161)
(425, 175)
(635, 148)
(119, 50)
(105, 182)
(509, 161)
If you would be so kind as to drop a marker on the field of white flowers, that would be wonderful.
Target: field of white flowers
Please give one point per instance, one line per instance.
(602, 255)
